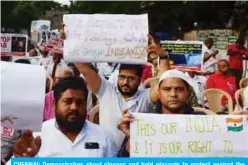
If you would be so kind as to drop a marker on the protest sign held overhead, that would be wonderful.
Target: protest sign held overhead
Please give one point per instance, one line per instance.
(40, 25)
(157, 135)
(22, 101)
(14, 44)
(221, 38)
(106, 38)
(54, 41)
(185, 55)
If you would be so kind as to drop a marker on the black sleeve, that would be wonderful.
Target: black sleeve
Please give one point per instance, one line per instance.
(123, 152)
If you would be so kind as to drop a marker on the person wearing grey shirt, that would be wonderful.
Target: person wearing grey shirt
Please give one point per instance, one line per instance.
(113, 99)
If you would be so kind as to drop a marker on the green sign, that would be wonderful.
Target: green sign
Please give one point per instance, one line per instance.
(221, 38)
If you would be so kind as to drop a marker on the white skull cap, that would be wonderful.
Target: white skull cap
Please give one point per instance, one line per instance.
(177, 74)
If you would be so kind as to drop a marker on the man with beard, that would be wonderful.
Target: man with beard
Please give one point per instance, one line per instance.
(126, 95)
(69, 134)
(174, 90)
(61, 73)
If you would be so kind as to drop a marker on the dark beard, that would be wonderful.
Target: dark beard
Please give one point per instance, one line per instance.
(128, 94)
(75, 126)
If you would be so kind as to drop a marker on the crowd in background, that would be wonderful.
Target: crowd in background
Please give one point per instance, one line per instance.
(80, 94)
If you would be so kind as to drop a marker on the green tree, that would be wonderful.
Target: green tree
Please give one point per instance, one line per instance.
(19, 14)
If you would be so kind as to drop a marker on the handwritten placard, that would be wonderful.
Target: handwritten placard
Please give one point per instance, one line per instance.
(106, 38)
(14, 44)
(22, 95)
(186, 55)
(158, 135)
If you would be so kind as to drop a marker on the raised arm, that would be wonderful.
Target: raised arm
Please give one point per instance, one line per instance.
(91, 77)
(231, 51)
(164, 65)
(207, 56)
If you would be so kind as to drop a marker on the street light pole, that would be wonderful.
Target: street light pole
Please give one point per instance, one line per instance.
(197, 30)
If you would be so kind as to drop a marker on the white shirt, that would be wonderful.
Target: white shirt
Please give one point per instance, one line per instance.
(35, 60)
(112, 103)
(56, 144)
(199, 85)
(105, 70)
(45, 61)
(210, 64)
(246, 99)
(89, 98)
(50, 67)
(113, 78)
(89, 101)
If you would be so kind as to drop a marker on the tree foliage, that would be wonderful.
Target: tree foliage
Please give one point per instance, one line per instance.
(170, 15)
(163, 15)
(19, 14)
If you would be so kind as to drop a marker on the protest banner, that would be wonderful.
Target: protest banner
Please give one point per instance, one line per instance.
(14, 44)
(186, 55)
(221, 37)
(161, 135)
(40, 25)
(43, 38)
(106, 38)
(23, 93)
(33, 60)
(55, 41)
(34, 38)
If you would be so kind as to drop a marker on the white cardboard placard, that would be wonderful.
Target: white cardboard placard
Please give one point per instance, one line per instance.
(106, 38)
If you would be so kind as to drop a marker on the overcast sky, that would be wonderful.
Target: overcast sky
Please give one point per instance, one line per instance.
(64, 2)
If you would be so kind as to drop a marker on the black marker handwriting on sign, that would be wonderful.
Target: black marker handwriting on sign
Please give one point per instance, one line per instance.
(138, 24)
(131, 37)
(116, 23)
(94, 22)
(107, 37)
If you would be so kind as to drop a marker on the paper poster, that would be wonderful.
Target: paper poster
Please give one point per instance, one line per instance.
(187, 55)
(43, 38)
(35, 60)
(159, 135)
(106, 38)
(221, 38)
(40, 25)
(34, 38)
(54, 41)
(22, 95)
(14, 44)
